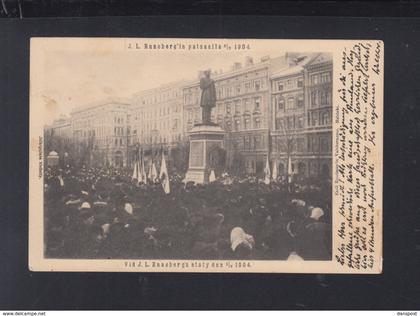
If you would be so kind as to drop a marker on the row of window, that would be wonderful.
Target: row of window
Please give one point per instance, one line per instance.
(161, 97)
(288, 103)
(320, 97)
(223, 92)
(290, 122)
(319, 118)
(149, 139)
(289, 84)
(154, 112)
(249, 142)
(320, 78)
(237, 107)
(313, 144)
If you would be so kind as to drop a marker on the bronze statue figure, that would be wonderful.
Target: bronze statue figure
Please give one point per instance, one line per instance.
(208, 97)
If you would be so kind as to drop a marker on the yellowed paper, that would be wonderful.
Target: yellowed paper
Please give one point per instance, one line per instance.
(136, 164)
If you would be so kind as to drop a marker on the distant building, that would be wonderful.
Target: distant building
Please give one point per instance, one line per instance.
(101, 132)
(58, 137)
(62, 128)
(301, 101)
(157, 118)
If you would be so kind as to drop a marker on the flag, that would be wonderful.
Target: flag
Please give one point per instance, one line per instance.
(267, 172)
(142, 171)
(289, 169)
(164, 177)
(149, 174)
(154, 174)
(139, 179)
(212, 176)
(275, 172)
(135, 172)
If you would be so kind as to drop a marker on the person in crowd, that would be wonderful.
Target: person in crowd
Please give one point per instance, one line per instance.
(101, 213)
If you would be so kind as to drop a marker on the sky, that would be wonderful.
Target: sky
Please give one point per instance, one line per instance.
(77, 77)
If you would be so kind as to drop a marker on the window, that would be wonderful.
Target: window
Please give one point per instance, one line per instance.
(228, 125)
(247, 143)
(290, 103)
(279, 123)
(325, 118)
(315, 79)
(257, 122)
(300, 83)
(315, 119)
(246, 123)
(300, 101)
(228, 110)
(247, 86)
(325, 146)
(280, 104)
(238, 90)
(291, 122)
(237, 124)
(279, 86)
(257, 103)
(237, 107)
(300, 122)
(257, 142)
(325, 77)
(315, 144)
(247, 105)
(257, 85)
(300, 144)
(323, 97)
(314, 98)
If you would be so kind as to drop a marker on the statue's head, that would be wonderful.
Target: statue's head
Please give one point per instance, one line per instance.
(207, 73)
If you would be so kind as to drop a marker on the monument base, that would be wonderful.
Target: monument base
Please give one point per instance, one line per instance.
(203, 140)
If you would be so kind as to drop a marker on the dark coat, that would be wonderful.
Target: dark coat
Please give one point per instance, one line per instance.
(208, 94)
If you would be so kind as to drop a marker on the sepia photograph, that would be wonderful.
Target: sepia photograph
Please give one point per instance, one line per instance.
(187, 150)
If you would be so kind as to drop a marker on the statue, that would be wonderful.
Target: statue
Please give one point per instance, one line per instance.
(208, 97)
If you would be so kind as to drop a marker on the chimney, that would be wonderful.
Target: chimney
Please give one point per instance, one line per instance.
(237, 66)
(248, 61)
(265, 58)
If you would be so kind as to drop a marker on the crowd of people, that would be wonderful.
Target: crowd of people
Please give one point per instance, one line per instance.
(98, 213)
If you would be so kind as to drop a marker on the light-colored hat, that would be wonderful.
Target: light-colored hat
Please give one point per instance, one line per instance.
(316, 213)
(294, 257)
(85, 205)
(238, 237)
(128, 208)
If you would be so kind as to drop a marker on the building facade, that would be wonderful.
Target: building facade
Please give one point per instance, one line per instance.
(157, 119)
(242, 110)
(301, 122)
(101, 132)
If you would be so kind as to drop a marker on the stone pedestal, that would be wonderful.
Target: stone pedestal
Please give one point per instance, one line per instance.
(203, 139)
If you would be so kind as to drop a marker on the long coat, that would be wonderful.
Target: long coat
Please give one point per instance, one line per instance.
(208, 94)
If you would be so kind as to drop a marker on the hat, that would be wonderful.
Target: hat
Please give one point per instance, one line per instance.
(294, 257)
(239, 237)
(316, 213)
(85, 205)
(128, 208)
